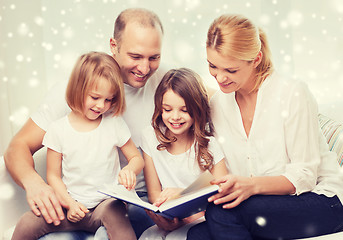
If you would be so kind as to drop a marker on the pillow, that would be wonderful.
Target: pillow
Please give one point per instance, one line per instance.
(333, 132)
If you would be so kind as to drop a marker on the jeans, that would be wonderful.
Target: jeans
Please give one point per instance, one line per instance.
(139, 219)
(75, 235)
(272, 217)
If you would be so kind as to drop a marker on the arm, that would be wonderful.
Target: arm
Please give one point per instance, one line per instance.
(76, 211)
(19, 162)
(235, 189)
(127, 176)
(151, 179)
(220, 169)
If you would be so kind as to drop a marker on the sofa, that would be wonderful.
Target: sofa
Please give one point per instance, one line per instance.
(13, 199)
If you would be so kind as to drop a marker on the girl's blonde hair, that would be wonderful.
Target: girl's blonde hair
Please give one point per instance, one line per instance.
(237, 37)
(188, 85)
(89, 68)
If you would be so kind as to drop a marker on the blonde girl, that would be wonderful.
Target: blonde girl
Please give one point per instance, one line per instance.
(82, 154)
(178, 146)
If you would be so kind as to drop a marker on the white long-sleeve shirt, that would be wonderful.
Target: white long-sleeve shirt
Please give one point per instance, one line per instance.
(284, 139)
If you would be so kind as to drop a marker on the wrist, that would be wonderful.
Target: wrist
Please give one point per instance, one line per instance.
(32, 181)
(255, 186)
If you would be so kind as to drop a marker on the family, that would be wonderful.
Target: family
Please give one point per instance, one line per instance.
(122, 119)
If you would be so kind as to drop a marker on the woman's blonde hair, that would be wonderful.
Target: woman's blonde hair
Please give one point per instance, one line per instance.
(188, 85)
(237, 37)
(90, 68)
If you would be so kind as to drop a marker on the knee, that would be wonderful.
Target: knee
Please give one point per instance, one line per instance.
(28, 225)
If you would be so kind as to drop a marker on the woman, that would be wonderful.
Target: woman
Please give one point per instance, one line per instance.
(283, 182)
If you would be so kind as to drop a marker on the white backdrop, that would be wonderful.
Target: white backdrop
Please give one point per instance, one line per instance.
(40, 41)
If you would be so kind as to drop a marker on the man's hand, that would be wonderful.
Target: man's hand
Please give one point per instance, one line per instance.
(43, 201)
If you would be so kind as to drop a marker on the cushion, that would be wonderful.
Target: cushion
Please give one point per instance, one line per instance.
(333, 132)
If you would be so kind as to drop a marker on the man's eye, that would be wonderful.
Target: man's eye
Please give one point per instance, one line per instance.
(135, 57)
(154, 58)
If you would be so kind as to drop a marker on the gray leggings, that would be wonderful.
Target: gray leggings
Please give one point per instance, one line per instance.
(109, 213)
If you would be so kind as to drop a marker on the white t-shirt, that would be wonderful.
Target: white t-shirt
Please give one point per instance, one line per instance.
(285, 138)
(138, 114)
(89, 159)
(177, 171)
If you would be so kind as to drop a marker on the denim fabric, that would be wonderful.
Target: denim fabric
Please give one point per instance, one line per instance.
(75, 235)
(139, 219)
(272, 217)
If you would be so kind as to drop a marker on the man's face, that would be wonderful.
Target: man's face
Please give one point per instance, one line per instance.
(138, 54)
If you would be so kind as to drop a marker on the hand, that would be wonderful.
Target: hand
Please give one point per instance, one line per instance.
(76, 211)
(165, 223)
(233, 190)
(167, 194)
(43, 201)
(127, 178)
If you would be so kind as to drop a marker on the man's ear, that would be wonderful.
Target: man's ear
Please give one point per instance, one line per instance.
(258, 59)
(113, 46)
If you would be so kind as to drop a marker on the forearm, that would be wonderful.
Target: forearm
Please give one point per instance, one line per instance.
(20, 164)
(60, 189)
(136, 164)
(272, 185)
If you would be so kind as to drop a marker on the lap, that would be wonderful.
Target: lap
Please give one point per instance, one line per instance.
(308, 214)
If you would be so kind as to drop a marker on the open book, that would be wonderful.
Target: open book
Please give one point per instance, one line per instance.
(192, 200)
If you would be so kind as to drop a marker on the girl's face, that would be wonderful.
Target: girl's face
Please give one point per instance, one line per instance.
(98, 100)
(231, 74)
(175, 115)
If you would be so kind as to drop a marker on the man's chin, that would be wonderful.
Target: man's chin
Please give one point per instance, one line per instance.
(136, 84)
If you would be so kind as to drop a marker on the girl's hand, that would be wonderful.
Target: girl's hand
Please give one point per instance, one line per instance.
(127, 178)
(76, 211)
(167, 194)
(165, 223)
(233, 190)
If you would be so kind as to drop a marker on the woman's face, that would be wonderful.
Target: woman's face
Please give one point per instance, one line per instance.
(231, 74)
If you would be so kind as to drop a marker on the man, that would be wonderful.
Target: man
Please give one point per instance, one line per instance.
(136, 46)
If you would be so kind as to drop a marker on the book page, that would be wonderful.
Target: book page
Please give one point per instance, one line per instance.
(120, 192)
(204, 180)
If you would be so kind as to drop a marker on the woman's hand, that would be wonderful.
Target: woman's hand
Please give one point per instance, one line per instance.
(167, 194)
(127, 178)
(76, 211)
(233, 190)
(165, 223)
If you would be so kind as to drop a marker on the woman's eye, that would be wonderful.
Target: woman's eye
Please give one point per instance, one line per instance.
(94, 98)
(231, 71)
(166, 110)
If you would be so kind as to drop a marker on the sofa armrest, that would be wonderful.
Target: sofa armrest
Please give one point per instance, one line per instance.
(13, 202)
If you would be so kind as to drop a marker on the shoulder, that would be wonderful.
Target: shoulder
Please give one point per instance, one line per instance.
(148, 132)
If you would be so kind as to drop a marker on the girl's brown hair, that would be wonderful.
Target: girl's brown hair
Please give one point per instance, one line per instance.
(89, 68)
(188, 85)
(237, 37)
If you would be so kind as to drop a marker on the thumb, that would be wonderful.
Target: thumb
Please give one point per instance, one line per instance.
(84, 209)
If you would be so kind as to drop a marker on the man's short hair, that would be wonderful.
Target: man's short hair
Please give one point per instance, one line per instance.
(143, 17)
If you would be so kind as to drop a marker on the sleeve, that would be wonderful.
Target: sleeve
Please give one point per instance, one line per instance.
(52, 108)
(215, 150)
(302, 139)
(122, 131)
(52, 137)
(145, 140)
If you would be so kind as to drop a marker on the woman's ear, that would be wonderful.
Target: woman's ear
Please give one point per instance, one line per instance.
(258, 59)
